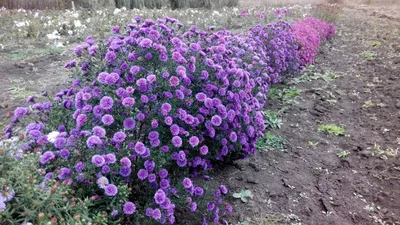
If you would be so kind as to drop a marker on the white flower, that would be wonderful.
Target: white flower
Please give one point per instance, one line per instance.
(53, 36)
(117, 11)
(51, 137)
(77, 23)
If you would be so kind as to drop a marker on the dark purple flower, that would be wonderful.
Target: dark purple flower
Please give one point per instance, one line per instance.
(129, 123)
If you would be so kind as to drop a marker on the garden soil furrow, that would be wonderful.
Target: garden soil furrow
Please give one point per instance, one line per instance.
(309, 183)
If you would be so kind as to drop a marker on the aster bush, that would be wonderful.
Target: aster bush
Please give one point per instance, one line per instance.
(310, 32)
(154, 107)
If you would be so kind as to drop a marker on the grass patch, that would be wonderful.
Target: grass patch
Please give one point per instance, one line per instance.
(369, 55)
(331, 129)
(271, 142)
(311, 76)
(273, 120)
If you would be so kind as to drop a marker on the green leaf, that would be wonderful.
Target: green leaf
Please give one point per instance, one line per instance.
(237, 195)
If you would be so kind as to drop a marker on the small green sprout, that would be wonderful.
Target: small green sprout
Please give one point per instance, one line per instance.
(331, 129)
(343, 154)
(244, 195)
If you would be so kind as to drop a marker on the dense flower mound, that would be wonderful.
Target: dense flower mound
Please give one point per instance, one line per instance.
(310, 32)
(156, 105)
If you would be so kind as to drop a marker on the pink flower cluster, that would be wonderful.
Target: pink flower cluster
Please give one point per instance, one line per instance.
(310, 32)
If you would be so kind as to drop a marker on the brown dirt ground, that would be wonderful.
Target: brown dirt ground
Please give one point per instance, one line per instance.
(312, 185)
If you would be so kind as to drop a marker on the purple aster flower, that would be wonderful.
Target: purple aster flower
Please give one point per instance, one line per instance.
(125, 171)
(159, 196)
(152, 177)
(99, 131)
(126, 162)
(129, 208)
(64, 153)
(204, 150)
(145, 43)
(233, 136)
(140, 116)
(19, 112)
(153, 135)
(60, 142)
(156, 214)
(166, 108)
(81, 120)
(110, 158)
(119, 136)
(193, 141)
(129, 123)
(105, 169)
(106, 102)
(216, 120)
(149, 165)
(201, 97)
(128, 102)
(163, 173)
(64, 173)
(107, 119)
(193, 207)
(134, 70)
(114, 213)
(102, 77)
(140, 148)
(46, 157)
(174, 81)
(154, 124)
(110, 190)
(98, 111)
(98, 160)
(177, 141)
(174, 129)
(187, 183)
(168, 120)
(93, 141)
(142, 174)
(79, 166)
(102, 182)
(199, 191)
(223, 189)
(110, 56)
(164, 183)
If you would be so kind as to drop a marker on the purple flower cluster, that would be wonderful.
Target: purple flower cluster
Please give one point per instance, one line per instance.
(157, 102)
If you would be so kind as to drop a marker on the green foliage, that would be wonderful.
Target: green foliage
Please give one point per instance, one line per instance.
(272, 119)
(311, 76)
(270, 141)
(290, 93)
(34, 201)
(369, 55)
(331, 129)
(243, 195)
(343, 154)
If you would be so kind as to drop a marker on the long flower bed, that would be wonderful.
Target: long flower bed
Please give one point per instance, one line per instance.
(154, 107)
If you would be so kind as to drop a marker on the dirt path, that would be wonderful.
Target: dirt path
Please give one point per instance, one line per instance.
(309, 183)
